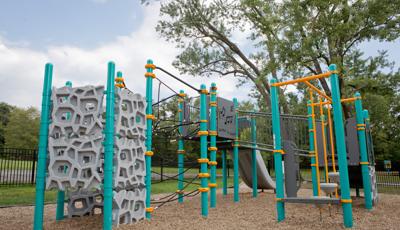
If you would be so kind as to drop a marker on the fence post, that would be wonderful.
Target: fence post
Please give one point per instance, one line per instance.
(224, 174)
(162, 170)
(34, 157)
(43, 144)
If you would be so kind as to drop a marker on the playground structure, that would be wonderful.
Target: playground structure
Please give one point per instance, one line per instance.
(119, 182)
(342, 176)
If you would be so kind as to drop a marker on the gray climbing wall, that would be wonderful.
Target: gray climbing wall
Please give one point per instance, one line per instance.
(75, 138)
(129, 159)
(76, 153)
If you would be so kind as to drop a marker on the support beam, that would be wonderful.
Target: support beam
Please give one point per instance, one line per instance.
(276, 128)
(203, 151)
(109, 148)
(181, 146)
(362, 141)
(341, 149)
(312, 148)
(149, 133)
(254, 155)
(43, 145)
(236, 155)
(213, 145)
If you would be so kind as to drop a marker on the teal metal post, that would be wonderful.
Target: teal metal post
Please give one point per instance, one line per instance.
(61, 194)
(254, 154)
(43, 144)
(109, 148)
(60, 205)
(224, 174)
(312, 148)
(181, 147)
(149, 126)
(236, 155)
(341, 149)
(362, 141)
(203, 151)
(276, 128)
(213, 145)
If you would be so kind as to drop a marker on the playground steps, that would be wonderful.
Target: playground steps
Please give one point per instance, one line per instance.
(334, 177)
(329, 188)
(312, 200)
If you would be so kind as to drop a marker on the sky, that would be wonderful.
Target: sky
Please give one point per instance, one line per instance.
(79, 37)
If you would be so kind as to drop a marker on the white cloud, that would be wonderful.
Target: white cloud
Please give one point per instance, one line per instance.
(22, 69)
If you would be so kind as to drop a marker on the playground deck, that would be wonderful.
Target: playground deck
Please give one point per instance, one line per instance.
(249, 213)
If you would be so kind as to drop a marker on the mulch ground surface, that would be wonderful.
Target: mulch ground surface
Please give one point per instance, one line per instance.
(249, 213)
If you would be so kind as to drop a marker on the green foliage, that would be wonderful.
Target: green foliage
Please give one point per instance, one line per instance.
(294, 38)
(22, 130)
(5, 110)
(379, 85)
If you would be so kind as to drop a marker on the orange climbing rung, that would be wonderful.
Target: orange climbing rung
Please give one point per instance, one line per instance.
(318, 91)
(303, 79)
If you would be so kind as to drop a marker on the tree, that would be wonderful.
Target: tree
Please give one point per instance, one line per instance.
(22, 130)
(292, 37)
(380, 91)
(316, 33)
(5, 110)
(204, 30)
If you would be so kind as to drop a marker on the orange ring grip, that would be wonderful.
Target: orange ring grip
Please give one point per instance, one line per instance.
(204, 175)
(212, 133)
(212, 149)
(148, 74)
(348, 201)
(149, 209)
(202, 133)
(202, 160)
(203, 189)
(278, 151)
(212, 185)
(203, 91)
(150, 117)
(150, 66)
(149, 153)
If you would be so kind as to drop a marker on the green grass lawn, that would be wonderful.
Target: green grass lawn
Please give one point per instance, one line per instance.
(15, 164)
(25, 195)
(22, 195)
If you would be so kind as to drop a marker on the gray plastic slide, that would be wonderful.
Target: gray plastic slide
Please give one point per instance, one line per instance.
(263, 178)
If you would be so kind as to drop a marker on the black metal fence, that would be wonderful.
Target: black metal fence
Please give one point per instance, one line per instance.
(17, 166)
